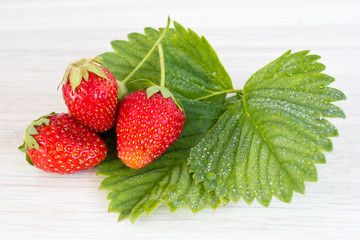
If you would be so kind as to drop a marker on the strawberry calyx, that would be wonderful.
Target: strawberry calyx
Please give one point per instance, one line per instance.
(162, 89)
(80, 69)
(29, 141)
(165, 93)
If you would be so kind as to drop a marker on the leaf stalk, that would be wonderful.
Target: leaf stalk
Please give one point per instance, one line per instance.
(148, 54)
(220, 92)
(162, 66)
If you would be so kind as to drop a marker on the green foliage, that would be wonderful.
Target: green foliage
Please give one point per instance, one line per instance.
(133, 192)
(193, 70)
(270, 137)
(262, 142)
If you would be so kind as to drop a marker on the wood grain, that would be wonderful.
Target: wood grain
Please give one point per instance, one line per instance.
(39, 38)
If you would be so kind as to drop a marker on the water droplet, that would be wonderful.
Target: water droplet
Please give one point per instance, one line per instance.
(211, 176)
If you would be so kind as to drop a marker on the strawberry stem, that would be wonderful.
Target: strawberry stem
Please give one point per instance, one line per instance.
(148, 54)
(162, 66)
(220, 92)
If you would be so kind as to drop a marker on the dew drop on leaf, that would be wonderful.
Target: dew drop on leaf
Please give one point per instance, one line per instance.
(211, 176)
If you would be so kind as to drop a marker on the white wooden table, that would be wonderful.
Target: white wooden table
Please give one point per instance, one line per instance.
(39, 38)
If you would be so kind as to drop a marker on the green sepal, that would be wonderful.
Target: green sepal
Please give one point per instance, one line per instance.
(166, 94)
(22, 148)
(29, 141)
(91, 67)
(85, 74)
(27, 157)
(152, 90)
(65, 77)
(75, 77)
(80, 69)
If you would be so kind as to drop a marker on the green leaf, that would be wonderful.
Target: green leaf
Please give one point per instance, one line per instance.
(265, 143)
(270, 137)
(193, 70)
(139, 84)
(167, 179)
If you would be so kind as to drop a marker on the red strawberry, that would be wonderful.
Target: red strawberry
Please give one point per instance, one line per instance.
(59, 143)
(91, 94)
(146, 127)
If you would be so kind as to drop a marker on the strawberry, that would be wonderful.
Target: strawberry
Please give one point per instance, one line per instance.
(59, 143)
(146, 127)
(91, 94)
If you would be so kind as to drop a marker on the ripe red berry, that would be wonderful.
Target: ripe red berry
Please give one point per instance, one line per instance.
(59, 143)
(146, 127)
(91, 95)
